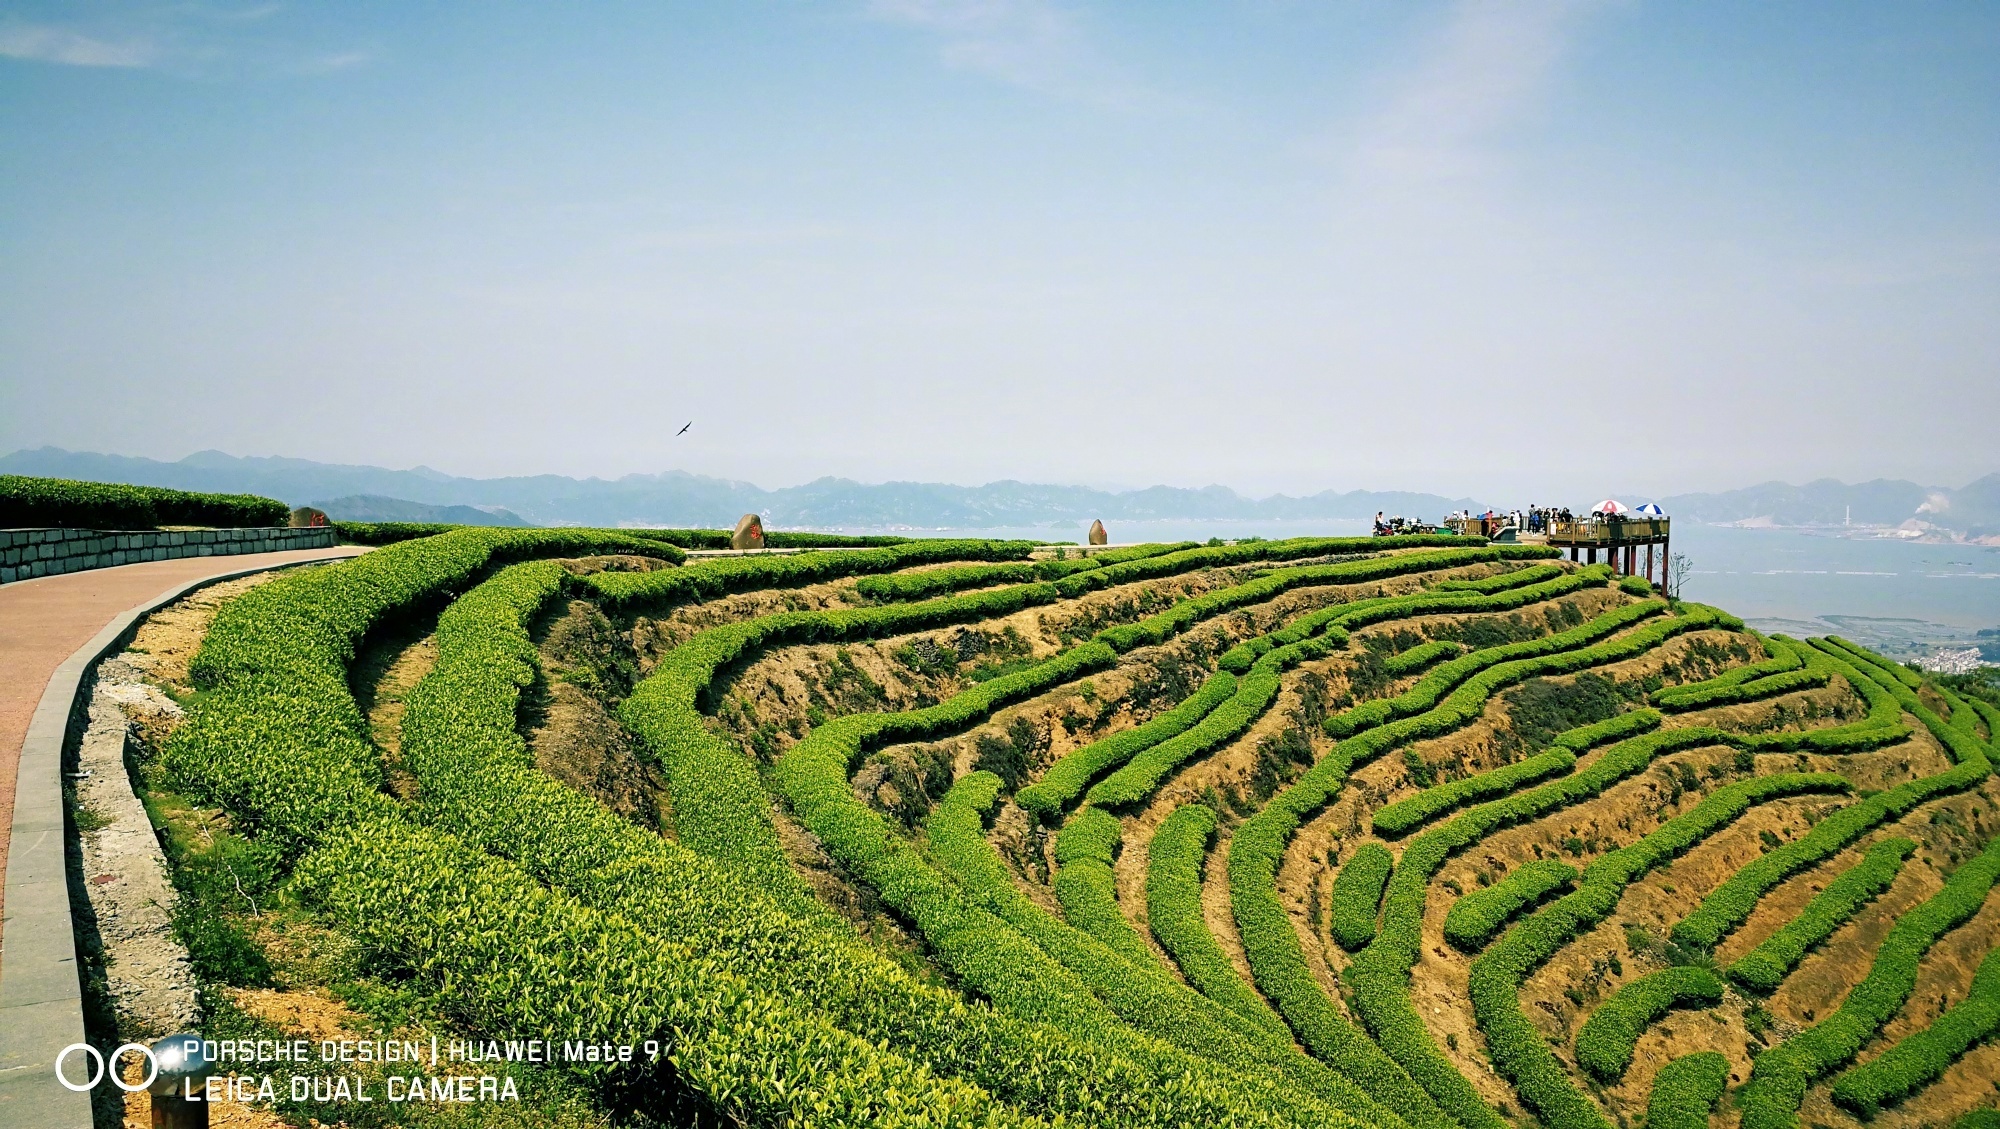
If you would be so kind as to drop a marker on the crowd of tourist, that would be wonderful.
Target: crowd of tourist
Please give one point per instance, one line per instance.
(1534, 519)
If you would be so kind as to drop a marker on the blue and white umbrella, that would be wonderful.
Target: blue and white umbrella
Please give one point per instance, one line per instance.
(1652, 509)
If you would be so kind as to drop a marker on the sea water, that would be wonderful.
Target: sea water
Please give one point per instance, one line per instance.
(1902, 596)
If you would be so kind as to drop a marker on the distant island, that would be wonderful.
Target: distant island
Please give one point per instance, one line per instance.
(679, 498)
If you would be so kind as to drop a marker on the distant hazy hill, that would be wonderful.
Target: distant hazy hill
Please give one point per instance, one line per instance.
(374, 507)
(679, 498)
(1973, 509)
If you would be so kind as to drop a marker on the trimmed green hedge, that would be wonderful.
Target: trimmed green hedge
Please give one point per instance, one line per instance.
(1519, 1051)
(510, 959)
(1258, 847)
(1979, 1119)
(1403, 816)
(1433, 687)
(1685, 1090)
(1778, 1079)
(1148, 769)
(1520, 577)
(1173, 910)
(1357, 892)
(938, 581)
(1421, 656)
(706, 579)
(1067, 778)
(474, 779)
(392, 532)
(1783, 656)
(1086, 888)
(1584, 738)
(1918, 1060)
(1604, 1047)
(1380, 976)
(991, 955)
(276, 736)
(1476, 917)
(65, 504)
(1765, 967)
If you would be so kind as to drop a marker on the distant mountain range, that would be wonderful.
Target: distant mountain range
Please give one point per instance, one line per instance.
(1971, 511)
(677, 498)
(374, 507)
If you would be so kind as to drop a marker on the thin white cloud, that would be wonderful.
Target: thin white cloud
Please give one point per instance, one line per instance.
(42, 43)
(1486, 69)
(1035, 44)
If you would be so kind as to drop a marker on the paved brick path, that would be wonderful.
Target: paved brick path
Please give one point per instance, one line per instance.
(44, 621)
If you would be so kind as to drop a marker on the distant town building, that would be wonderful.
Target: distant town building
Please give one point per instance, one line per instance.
(1953, 660)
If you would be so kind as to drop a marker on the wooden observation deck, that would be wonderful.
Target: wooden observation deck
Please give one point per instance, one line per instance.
(1620, 538)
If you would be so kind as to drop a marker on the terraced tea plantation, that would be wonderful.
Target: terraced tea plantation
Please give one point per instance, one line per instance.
(1417, 833)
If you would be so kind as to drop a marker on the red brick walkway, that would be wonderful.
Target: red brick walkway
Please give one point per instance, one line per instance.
(44, 621)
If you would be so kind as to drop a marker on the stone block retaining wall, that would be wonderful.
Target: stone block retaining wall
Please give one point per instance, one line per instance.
(28, 553)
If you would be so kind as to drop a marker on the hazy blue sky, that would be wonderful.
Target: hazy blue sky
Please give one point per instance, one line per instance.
(1535, 247)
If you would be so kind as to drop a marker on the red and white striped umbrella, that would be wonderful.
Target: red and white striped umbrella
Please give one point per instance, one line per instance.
(1609, 506)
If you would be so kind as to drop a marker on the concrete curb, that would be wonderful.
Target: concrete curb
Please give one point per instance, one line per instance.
(41, 995)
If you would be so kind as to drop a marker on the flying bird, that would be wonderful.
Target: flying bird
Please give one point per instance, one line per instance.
(684, 428)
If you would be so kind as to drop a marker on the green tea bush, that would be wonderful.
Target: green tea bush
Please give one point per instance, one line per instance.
(1403, 816)
(707, 579)
(391, 532)
(1380, 975)
(1783, 656)
(1433, 687)
(62, 503)
(1047, 798)
(1476, 917)
(1420, 656)
(1918, 1060)
(1173, 910)
(1268, 939)
(1779, 1077)
(1519, 1051)
(1357, 891)
(1685, 1090)
(990, 954)
(942, 581)
(1254, 694)
(275, 735)
(1765, 967)
(1635, 585)
(471, 767)
(513, 960)
(1088, 891)
(1520, 577)
(1604, 1047)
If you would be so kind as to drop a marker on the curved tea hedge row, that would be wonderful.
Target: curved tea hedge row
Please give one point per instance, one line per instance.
(990, 954)
(1784, 658)
(1085, 886)
(1779, 1077)
(1433, 687)
(1730, 904)
(720, 576)
(1765, 967)
(940, 581)
(1403, 816)
(1917, 1061)
(1605, 1045)
(1173, 910)
(27, 502)
(1254, 694)
(1685, 1090)
(460, 921)
(513, 960)
(471, 769)
(1066, 779)
(1476, 917)
(1258, 847)
(1357, 892)
(1380, 976)
(1520, 577)
(1519, 1052)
